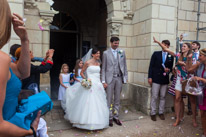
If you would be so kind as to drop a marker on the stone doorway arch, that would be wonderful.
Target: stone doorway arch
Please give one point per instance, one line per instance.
(64, 39)
(116, 12)
(91, 32)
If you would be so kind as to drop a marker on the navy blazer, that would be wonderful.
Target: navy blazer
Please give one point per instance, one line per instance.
(156, 69)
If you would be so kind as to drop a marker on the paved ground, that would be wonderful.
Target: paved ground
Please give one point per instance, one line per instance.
(135, 124)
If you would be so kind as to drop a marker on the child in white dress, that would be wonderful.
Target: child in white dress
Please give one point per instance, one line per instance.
(78, 69)
(64, 79)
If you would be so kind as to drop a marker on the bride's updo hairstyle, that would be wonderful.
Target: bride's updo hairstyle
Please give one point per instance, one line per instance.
(94, 50)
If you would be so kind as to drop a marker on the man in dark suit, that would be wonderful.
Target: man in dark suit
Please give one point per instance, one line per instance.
(158, 77)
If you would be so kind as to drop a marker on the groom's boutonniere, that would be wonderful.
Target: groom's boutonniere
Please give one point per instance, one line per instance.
(169, 57)
(120, 53)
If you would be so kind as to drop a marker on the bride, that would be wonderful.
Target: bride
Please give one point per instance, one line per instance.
(87, 108)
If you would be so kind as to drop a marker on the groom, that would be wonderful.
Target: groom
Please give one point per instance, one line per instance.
(114, 74)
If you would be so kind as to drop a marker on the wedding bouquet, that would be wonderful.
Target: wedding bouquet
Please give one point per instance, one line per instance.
(87, 83)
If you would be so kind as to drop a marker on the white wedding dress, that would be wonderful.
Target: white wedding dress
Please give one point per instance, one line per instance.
(87, 108)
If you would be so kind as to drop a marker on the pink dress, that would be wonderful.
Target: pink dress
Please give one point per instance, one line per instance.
(201, 73)
(203, 106)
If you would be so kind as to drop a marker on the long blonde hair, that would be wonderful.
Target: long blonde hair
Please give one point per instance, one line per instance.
(64, 65)
(5, 23)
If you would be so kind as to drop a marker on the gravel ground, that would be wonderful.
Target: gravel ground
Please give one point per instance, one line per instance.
(136, 124)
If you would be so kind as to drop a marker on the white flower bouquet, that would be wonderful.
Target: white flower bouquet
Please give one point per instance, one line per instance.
(87, 83)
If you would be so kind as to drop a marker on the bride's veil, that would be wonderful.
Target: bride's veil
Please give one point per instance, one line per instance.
(88, 56)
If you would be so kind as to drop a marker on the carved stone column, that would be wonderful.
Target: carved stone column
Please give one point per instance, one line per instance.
(47, 17)
(126, 7)
(114, 24)
(30, 4)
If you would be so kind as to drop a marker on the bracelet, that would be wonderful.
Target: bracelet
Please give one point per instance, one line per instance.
(34, 132)
(50, 59)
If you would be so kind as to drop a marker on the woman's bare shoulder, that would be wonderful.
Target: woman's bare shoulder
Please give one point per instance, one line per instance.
(4, 58)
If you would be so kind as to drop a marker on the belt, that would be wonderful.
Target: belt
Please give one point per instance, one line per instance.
(117, 75)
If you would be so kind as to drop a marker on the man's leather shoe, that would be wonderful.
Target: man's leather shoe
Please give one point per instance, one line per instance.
(111, 123)
(189, 113)
(117, 121)
(162, 117)
(153, 118)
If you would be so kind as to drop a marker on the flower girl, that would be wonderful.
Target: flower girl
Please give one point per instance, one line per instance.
(64, 79)
(78, 68)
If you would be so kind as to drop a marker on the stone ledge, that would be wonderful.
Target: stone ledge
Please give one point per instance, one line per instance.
(140, 97)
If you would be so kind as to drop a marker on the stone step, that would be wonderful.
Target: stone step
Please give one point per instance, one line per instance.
(56, 122)
(124, 102)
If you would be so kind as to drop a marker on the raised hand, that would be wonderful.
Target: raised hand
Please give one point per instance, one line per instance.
(155, 41)
(50, 53)
(19, 27)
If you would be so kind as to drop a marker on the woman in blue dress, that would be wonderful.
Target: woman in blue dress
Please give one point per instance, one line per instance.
(10, 85)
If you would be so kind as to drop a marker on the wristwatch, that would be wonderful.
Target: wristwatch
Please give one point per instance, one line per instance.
(34, 132)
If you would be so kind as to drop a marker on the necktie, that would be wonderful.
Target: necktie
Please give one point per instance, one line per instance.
(196, 56)
(163, 57)
(115, 54)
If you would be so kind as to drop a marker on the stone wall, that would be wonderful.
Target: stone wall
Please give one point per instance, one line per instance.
(39, 13)
(187, 19)
(151, 18)
(16, 6)
(135, 22)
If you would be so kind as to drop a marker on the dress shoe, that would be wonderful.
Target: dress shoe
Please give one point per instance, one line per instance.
(153, 118)
(162, 117)
(189, 113)
(173, 109)
(117, 121)
(111, 123)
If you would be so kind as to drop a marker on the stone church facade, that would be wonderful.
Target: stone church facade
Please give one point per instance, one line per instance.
(73, 26)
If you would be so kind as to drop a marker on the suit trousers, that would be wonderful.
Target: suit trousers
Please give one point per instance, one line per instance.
(114, 90)
(158, 90)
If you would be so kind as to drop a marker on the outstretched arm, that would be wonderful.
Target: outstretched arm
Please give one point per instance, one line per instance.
(164, 48)
(189, 66)
(200, 79)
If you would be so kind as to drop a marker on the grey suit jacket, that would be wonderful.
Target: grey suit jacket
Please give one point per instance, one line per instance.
(108, 65)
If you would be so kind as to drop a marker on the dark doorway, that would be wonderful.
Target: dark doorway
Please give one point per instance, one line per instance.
(64, 40)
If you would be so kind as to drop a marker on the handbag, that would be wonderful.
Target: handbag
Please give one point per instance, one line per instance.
(185, 82)
(192, 87)
(28, 109)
